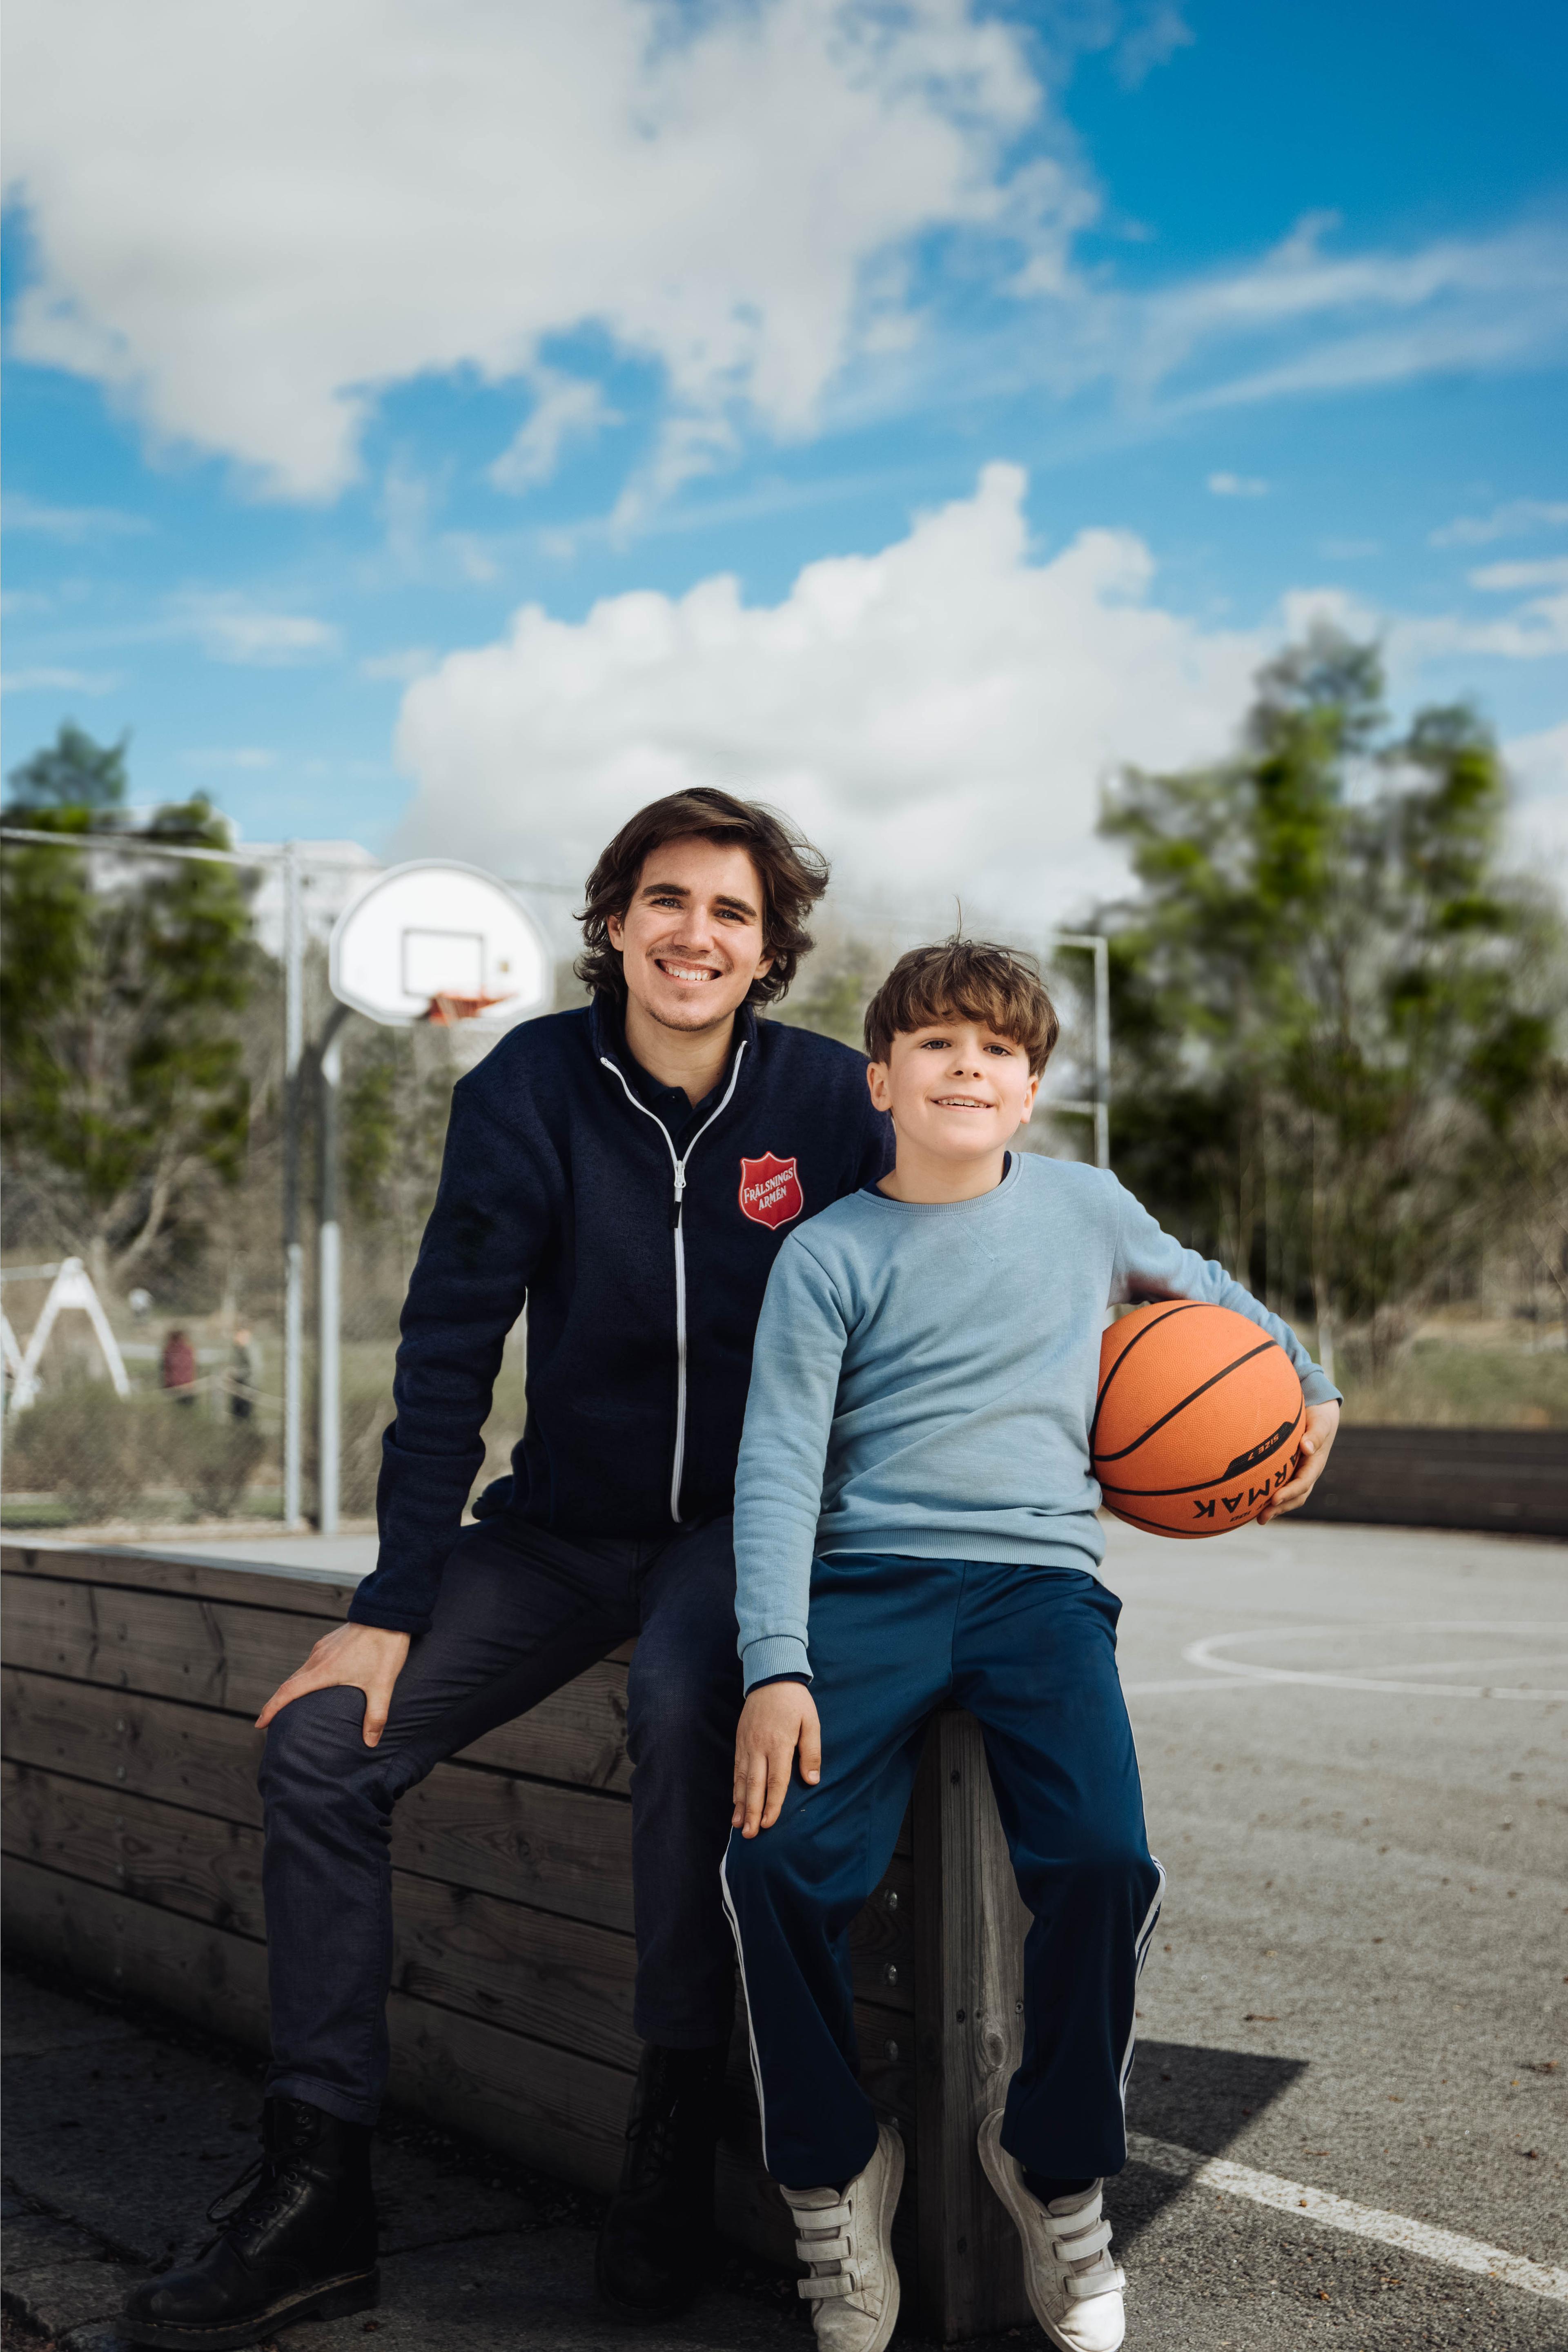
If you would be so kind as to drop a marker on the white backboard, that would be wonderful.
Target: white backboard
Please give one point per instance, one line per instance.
(436, 932)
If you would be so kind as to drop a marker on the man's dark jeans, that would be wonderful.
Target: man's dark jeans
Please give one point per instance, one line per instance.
(519, 1613)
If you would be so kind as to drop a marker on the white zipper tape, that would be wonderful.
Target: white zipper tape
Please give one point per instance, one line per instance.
(677, 1163)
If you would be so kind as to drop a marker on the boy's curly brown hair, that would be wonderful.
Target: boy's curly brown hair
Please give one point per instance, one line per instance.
(965, 980)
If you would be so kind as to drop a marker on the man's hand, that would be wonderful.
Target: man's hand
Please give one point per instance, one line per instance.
(774, 1722)
(365, 1657)
(1322, 1423)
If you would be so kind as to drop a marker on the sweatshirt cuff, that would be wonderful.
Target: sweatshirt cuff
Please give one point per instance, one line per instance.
(763, 1661)
(1318, 1388)
(366, 1612)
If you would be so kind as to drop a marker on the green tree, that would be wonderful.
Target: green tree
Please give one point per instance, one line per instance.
(72, 772)
(123, 978)
(396, 1099)
(1334, 1012)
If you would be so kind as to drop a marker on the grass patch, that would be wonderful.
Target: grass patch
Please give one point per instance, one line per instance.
(1438, 1384)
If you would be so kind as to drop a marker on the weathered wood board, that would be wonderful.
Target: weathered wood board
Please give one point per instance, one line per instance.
(132, 1853)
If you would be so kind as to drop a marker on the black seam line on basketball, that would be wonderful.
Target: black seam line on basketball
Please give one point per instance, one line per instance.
(1186, 1532)
(1176, 1306)
(1198, 1485)
(1155, 1426)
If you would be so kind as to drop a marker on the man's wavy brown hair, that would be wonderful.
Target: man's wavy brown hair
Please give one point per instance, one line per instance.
(792, 874)
(964, 980)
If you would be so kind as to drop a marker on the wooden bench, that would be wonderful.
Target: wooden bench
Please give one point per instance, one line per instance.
(133, 1849)
(1510, 1482)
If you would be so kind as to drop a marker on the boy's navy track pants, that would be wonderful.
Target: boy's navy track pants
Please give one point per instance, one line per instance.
(1031, 1651)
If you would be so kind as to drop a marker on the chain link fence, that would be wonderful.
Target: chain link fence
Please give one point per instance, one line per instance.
(145, 1136)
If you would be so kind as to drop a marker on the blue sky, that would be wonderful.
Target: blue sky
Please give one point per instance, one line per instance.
(327, 356)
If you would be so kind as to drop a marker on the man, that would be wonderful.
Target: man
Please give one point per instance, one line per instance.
(629, 1170)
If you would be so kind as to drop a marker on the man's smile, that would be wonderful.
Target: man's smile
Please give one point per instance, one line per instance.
(673, 970)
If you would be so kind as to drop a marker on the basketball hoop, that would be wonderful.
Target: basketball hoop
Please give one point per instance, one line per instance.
(440, 942)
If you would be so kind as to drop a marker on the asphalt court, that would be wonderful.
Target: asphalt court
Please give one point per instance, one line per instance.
(1347, 2115)
(1349, 2107)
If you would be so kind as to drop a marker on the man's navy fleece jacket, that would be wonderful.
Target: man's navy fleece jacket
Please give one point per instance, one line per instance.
(641, 1243)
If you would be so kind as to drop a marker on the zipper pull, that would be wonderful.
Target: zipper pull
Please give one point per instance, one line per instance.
(679, 1190)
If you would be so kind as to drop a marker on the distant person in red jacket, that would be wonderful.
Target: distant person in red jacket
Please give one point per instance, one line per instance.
(179, 1368)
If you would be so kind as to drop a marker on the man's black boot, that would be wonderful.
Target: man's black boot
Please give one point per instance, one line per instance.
(656, 2247)
(301, 2246)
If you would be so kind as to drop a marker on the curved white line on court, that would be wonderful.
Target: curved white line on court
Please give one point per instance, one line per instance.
(1360, 2221)
(1204, 1654)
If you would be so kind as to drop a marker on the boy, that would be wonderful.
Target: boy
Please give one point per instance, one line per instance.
(915, 1523)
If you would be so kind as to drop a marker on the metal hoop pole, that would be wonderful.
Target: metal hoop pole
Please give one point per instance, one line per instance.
(293, 1248)
(1099, 947)
(329, 1280)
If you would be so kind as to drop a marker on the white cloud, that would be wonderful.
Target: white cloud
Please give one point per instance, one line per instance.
(1368, 319)
(392, 187)
(1499, 579)
(72, 524)
(1237, 486)
(1535, 630)
(1514, 521)
(747, 194)
(1150, 43)
(939, 716)
(231, 629)
(568, 408)
(47, 680)
(1539, 765)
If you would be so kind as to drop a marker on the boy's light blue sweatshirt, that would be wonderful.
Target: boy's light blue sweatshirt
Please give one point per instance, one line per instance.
(924, 1377)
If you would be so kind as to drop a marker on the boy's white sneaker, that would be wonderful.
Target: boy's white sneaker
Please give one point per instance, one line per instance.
(1074, 2287)
(847, 2244)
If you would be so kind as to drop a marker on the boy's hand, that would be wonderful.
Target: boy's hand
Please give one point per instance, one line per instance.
(774, 1722)
(1322, 1424)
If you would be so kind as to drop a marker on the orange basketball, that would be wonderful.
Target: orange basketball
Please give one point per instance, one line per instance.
(1199, 1418)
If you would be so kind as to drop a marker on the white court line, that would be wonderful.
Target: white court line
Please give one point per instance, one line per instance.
(1197, 1683)
(1203, 1653)
(1339, 2213)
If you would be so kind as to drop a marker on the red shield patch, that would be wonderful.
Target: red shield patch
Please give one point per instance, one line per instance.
(770, 1189)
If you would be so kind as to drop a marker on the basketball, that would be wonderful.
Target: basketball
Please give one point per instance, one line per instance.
(1199, 1418)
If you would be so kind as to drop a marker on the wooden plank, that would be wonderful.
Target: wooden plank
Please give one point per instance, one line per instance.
(224, 1654)
(1511, 1480)
(561, 1980)
(277, 1584)
(558, 1848)
(154, 1853)
(563, 1849)
(197, 1973)
(308, 1593)
(970, 1929)
(552, 2108)
(537, 1972)
(185, 1755)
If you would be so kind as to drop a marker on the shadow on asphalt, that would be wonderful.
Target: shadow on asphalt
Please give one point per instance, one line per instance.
(1199, 2099)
